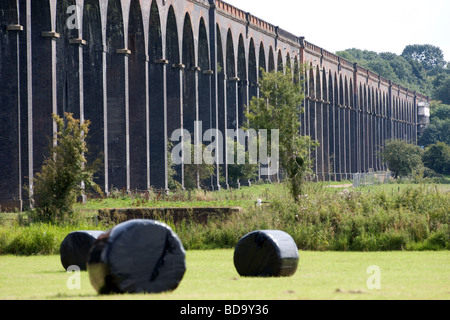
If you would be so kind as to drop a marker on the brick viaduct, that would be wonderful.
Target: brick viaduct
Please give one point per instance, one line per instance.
(140, 69)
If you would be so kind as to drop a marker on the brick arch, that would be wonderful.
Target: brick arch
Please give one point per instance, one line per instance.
(296, 69)
(353, 127)
(11, 112)
(346, 127)
(319, 124)
(288, 62)
(331, 124)
(94, 77)
(231, 82)
(117, 97)
(262, 59)
(271, 63)
(243, 85)
(325, 126)
(189, 72)
(68, 59)
(174, 70)
(252, 70)
(221, 94)
(138, 96)
(120, 37)
(280, 64)
(205, 79)
(44, 87)
(157, 101)
(338, 116)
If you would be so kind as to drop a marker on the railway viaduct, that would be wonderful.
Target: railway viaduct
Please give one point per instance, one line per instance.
(139, 69)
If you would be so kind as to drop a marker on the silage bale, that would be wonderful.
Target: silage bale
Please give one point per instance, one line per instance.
(266, 253)
(137, 256)
(74, 249)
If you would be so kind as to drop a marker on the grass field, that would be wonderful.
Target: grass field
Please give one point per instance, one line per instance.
(378, 219)
(211, 275)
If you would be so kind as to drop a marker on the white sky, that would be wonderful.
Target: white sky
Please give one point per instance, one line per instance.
(380, 26)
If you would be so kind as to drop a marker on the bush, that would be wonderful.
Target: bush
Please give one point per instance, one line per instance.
(402, 157)
(65, 174)
(437, 157)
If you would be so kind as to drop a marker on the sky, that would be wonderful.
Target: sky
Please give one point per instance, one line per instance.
(380, 26)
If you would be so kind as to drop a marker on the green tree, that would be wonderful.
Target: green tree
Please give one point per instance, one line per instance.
(439, 127)
(197, 173)
(197, 168)
(402, 157)
(65, 175)
(278, 108)
(442, 88)
(243, 172)
(437, 157)
(428, 55)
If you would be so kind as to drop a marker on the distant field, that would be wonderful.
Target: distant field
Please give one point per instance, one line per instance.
(211, 276)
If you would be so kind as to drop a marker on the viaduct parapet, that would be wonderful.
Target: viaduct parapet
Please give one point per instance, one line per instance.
(139, 69)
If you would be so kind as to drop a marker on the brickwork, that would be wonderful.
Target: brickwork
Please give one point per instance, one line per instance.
(140, 69)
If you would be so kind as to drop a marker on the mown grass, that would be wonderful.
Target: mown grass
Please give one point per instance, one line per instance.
(211, 275)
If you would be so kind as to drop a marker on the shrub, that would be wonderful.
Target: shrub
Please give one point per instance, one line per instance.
(402, 157)
(437, 157)
(64, 176)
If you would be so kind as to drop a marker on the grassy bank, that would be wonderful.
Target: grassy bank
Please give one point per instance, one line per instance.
(410, 219)
(328, 217)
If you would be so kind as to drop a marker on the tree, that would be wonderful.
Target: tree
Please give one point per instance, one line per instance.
(437, 157)
(428, 55)
(197, 168)
(406, 72)
(402, 157)
(278, 108)
(243, 172)
(195, 174)
(65, 175)
(439, 127)
(442, 88)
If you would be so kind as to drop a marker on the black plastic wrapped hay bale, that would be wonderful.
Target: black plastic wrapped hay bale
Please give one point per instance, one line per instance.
(74, 249)
(266, 253)
(137, 256)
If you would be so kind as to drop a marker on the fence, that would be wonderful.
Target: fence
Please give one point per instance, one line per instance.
(370, 178)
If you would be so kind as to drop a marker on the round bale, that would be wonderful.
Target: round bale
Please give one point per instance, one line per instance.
(266, 253)
(74, 249)
(137, 256)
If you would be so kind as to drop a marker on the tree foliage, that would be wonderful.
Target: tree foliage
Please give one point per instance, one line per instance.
(241, 172)
(278, 108)
(439, 128)
(441, 88)
(402, 157)
(428, 55)
(437, 157)
(419, 67)
(65, 175)
(197, 169)
(197, 174)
